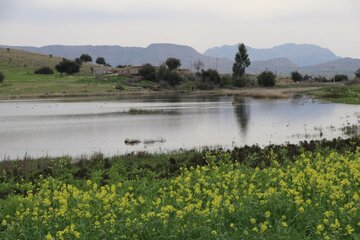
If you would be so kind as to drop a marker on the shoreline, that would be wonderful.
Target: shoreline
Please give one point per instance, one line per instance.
(271, 93)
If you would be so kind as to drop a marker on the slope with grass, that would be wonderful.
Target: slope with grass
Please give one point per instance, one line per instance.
(20, 81)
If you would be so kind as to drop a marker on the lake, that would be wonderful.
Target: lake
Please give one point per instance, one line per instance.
(75, 127)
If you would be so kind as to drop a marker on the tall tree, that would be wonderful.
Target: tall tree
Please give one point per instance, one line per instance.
(242, 61)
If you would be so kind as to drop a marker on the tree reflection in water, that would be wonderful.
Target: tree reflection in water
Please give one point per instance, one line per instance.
(242, 113)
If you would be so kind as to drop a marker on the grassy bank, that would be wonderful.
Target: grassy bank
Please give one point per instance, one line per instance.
(306, 191)
(349, 94)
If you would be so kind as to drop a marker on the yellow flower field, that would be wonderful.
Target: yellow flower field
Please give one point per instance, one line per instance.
(315, 197)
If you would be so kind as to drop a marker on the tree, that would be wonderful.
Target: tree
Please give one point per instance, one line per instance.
(266, 79)
(86, 58)
(67, 66)
(173, 63)
(341, 77)
(168, 76)
(210, 75)
(2, 77)
(100, 61)
(148, 72)
(44, 70)
(198, 65)
(357, 73)
(242, 61)
(78, 61)
(296, 76)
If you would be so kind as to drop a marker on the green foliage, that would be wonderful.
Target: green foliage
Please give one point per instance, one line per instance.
(242, 61)
(357, 73)
(266, 79)
(168, 76)
(296, 76)
(86, 58)
(341, 77)
(67, 66)
(119, 87)
(148, 72)
(210, 75)
(204, 85)
(173, 63)
(275, 192)
(101, 61)
(44, 70)
(78, 61)
(2, 77)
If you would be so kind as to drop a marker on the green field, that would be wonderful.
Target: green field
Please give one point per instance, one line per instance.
(21, 82)
(309, 191)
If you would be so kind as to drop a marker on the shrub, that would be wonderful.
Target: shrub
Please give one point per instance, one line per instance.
(86, 58)
(100, 61)
(210, 75)
(67, 66)
(204, 85)
(148, 72)
(340, 78)
(296, 76)
(168, 76)
(119, 87)
(173, 63)
(78, 61)
(266, 79)
(2, 77)
(357, 73)
(44, 70)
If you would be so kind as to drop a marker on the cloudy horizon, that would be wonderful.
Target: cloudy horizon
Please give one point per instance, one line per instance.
(202, 24)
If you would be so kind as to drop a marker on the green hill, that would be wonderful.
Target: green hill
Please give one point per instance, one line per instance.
(20, 81)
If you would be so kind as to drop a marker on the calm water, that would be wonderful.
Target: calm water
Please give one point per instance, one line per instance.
(59, 127)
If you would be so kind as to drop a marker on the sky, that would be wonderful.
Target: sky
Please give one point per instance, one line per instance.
(202, 24)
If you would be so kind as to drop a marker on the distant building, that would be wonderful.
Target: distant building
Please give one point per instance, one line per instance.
(183, 71)
(128, 70)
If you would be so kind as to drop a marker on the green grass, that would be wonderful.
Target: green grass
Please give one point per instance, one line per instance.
(349, 94)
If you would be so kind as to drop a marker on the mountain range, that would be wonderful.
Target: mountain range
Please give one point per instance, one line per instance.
(283, 59)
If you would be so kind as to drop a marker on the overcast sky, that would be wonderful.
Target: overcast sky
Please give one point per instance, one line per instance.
(202, 24)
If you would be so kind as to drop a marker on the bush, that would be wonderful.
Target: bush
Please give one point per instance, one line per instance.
(357, 73)
(148, 72)
(119, 87)
(86, 58)
(44, 70)
(100, 61)
(296, 76)
(210, 75)
(173, 63)
(204, 85)
(67, 66)
(266, 79)
(78, 61)
(168, 76)
(321, 79)
(340, 78)
(2, 77)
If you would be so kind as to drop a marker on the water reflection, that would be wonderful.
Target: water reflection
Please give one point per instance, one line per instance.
(242, 113)
(57, 127)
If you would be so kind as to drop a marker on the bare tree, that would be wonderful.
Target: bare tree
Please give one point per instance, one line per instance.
(198, 65)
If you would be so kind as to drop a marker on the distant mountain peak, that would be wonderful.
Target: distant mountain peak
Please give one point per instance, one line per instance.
(300, 54)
